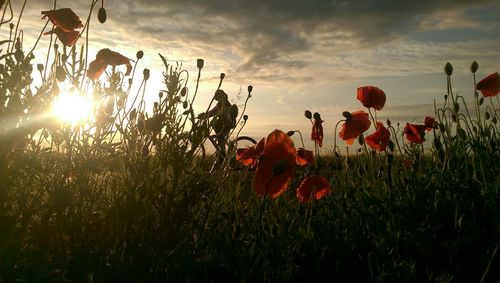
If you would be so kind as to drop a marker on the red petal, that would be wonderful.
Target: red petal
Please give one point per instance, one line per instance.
(64, 18)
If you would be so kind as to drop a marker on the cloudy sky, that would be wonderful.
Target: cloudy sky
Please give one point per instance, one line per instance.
(302, 54)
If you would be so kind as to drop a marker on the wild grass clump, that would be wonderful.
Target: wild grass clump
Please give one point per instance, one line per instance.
(129, 193)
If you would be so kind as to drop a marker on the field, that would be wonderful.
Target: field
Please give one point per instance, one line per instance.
(130, 194)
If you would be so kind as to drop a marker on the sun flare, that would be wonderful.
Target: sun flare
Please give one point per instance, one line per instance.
(72, 107)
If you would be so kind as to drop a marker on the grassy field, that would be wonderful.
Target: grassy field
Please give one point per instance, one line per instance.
(130, 195)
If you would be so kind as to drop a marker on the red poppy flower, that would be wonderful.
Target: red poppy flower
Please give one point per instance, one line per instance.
(489, 86)
(304, 157)
(104, 58)
(371, 96)
(67, 38)
(354, 126)
(429, 123)
(249, 156)
(317, 132)
(415, 133)
(276, 164)
(65, 19)
(312, 186)
(380, 139)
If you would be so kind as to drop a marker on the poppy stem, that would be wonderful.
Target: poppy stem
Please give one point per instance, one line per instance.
(335, 136)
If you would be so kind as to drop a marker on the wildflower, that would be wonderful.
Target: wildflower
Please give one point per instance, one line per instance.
(274, 158)
(67, 38)
(317, 130)
(65, 19)
(415, 133)
(430, 123)
(312, 186)
(104, 58)
(355, 125)
(380, 139)
(304, 157)
(371, 96)
(489, 86)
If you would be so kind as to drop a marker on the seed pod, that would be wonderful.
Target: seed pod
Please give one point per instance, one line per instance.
(290, 133)
(388, 122)
(146, 74)
(448, 69)
(200, 63)
(473, 67)
(183, 91)
(160, 95)
(308, 114)
(481, 101)
(101, 15)
(487, 115)
(60, 74)
(494, 120)
(250, 89)
(39, 67)
(222, 76)
(139, 54)
(185, 104)
(245, 117)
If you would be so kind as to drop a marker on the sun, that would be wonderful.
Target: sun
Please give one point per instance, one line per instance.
(72, 108)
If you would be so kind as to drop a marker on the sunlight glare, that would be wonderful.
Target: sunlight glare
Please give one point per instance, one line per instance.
(71, 107)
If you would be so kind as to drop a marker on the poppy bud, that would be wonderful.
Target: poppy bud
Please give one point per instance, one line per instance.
(250, 88)
(185, 104)
(473, 67)
(101, 15)
(130, 81)
(60, 74)
(139, 54)
(481, 101)
(245, 117)
(183, 91)
(222, 76)
(64, 58)
(487, 115)
(308, 114)
(160, 95)
(11, 26)
(445, 97)
(388, 122)
(347, 115)
(316, 116)
(280, 167)
(56, 46)
(200, 63)
(39, 67)
(448, 69)
(146, 74)
(290, 133)
(494, 120)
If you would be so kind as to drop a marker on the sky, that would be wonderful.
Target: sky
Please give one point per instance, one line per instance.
(299, 55)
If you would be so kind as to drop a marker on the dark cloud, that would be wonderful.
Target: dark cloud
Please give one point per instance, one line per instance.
(261, 34)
